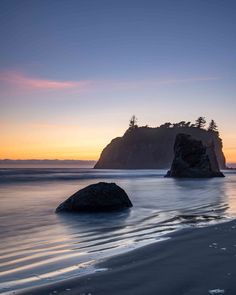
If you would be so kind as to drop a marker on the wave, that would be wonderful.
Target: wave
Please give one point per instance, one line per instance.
(33, 175)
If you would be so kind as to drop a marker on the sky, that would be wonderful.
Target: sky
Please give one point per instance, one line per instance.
(73, 72)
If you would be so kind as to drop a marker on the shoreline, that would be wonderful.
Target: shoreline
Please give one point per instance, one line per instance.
(194, 261)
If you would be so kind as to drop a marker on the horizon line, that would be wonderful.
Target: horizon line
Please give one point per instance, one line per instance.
(48, 160)
(69, 160)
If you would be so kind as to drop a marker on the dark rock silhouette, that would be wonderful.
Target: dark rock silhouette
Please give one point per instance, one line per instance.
(193, 159)
(152, 148)
(99, 197)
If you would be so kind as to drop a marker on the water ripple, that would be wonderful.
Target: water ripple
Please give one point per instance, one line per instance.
(38, 246)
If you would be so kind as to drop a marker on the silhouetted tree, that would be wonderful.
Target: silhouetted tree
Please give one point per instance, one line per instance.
(200, 122)
(166, 125)
(212, 126)
(133, 122)
(188, 124)
(180, 124)
(175, 125)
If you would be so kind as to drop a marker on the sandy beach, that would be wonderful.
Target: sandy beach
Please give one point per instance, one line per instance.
(194, 261)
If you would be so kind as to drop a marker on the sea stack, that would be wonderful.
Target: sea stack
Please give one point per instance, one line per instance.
(99, 197)
(192, 159)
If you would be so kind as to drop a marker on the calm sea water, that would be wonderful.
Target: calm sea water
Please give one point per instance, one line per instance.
(38, 246)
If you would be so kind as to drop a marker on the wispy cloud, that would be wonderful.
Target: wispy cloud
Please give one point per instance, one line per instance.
(152, 82)
(23, 81)
(20, 80)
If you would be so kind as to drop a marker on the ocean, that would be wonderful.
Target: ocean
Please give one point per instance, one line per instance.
(39, 247)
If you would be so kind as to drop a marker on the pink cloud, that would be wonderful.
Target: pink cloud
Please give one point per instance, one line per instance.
(23, 81)
(154, 82)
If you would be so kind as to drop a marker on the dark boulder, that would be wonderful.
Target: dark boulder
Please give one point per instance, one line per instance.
(99, 197)
(193, 160)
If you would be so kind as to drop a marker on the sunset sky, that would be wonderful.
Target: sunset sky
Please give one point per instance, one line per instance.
(73, 72)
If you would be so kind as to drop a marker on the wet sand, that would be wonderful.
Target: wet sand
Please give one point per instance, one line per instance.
(193, 262)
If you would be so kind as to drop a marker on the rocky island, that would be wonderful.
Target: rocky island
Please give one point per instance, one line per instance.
(152, 148)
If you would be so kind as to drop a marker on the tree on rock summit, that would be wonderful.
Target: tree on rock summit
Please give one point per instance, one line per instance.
(200, 122)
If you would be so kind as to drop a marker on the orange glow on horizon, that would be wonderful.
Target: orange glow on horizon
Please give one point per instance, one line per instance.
(68, 142)
(57, 154)
(230, 155)
(52, 141)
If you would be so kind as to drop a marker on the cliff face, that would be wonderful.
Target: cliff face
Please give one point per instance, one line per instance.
(152, 148)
